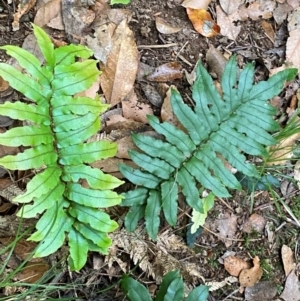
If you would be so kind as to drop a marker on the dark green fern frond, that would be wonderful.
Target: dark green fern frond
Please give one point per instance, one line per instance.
(238, 122)
(56, 144)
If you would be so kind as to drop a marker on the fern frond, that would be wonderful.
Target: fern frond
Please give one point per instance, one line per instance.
(56, 141)
(238, 122)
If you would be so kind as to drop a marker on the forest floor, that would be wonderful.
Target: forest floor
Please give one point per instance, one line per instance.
(263, 223)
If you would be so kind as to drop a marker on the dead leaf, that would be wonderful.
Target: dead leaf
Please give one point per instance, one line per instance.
(282, 152)
(167, 113)
(234, 265)
(248, 277)
(288, 260)
(226, 23)
(230, 6)
(214, 285)
(293, 3)
(196, 4)
(294, 20)
(254, 11)
(216, 61)
(269, 31)
(23, 8)
(5, 207)
(166, 72)
(120, 70)
(292, 48)
(48, 12)
(32, 271)
(227, 225)
(281, 11)
(133, 109)
(255, 222)
(152, 94)
(264, 291)
(91, 92)
(165, 28)
(4, 85)
(292, 288)
(203, 22)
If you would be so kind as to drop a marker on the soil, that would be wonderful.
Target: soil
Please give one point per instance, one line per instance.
(252, 44)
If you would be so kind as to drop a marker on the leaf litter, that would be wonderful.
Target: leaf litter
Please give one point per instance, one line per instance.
(117, 94)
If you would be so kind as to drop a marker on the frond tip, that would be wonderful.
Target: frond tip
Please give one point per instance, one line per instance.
(219, 127)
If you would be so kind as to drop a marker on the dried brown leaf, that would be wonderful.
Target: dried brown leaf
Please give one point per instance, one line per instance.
(269, 31)
(32, 271)
(226, 23)
(167, 113)
(230, 6)
(281, 11)
(120, 70)
(165, 28)
(234, 265)
(292, 288)
(196, 4)
(264, 290)
(227, 226)
(292, 48)
(288, 260)
(47, 12)
(166, 72)
(249, 277)
(23, 8)
(255, 222)
(255, 12)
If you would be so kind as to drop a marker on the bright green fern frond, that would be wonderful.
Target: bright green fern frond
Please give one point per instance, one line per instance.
(55, 142)
(218, 127)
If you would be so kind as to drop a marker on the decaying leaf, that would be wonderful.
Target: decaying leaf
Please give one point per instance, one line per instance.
(226, 23)
(248, 277)
(234, 265)
(255, 222)
(23, 8)
(264, 291)
(292, 288)
(152, 94)
(255, 11)
(203, 22)
(269, 31)
(47, 12)
(288, 260)
(166, 72)
(165, 28)
(120, 70)
(230, 6)
(216, 61)
(294, 20)
(133, 109)
(213, 285)
(196, 4)
(281, 12)
(227, 225)
(292, 48)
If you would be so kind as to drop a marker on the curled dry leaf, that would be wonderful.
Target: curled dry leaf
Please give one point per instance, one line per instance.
(248, 277)
(203, 22)
(234, 265)
(288, 260)
(196, 4)
(166, 72)
(163, 27)
(23, 8)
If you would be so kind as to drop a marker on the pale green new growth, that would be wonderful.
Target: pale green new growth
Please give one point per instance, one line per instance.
(60, 125)
(228, 126)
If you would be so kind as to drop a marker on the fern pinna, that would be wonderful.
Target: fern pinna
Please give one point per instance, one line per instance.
(218, 126)
(55, 144)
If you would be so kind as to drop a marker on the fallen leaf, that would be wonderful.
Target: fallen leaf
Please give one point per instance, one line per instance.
(216, 61)
(230, 6)
(48, 12)
(281, 11)
(264, 291)
(249, 277)
(293, 3)
(5, 207)
(120, 70)
(254, 11)
(288, 260)
(133, 109)
(282, 152)
(167, 113)
(292, 288)
(32, 271)
(23, 8)
(4, 85)
(294, 20)
(165, 28)
(227, 225)
(166, 72)
(196, 4)
(216, 285)
(203, 22)
(152, 94)
(255, 222)
(269, 31)
(292, 48)
(226, 23)
(234, 265)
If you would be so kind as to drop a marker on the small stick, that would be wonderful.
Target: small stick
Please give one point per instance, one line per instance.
(156, 46)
